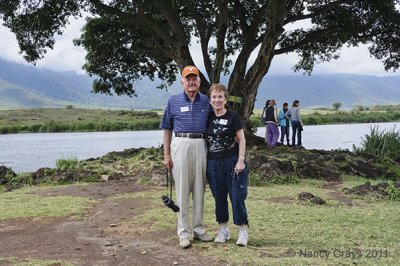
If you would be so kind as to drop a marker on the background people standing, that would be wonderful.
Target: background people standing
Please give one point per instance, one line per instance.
(284, 123)
(297, 125)
(271, 120)
(263, 119)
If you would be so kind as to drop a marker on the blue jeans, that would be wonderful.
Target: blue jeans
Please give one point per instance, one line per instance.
(223, 181)
(296, 127)
(285, 132)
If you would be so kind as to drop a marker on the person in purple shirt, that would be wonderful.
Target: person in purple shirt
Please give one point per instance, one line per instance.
(185, 117)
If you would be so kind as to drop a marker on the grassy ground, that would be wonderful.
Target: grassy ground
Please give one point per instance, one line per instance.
(283, 230)
(72, 120)
(298, 234)
(29, 262)
(20, 204)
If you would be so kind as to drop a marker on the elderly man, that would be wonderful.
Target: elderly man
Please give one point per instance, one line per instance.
(186, 116)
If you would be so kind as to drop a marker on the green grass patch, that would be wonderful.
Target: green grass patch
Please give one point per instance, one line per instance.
(32, 262)
(255, 180)
(147, 159)
(76, 120)
(21, 204)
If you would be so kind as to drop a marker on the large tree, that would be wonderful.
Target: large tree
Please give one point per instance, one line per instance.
(126, 40)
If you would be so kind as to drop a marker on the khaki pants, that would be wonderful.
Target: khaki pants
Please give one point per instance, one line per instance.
(189, 170)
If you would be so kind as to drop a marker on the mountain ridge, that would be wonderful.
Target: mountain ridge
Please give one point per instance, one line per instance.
(25, 86)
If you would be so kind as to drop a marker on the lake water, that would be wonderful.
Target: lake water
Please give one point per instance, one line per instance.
(31, 151)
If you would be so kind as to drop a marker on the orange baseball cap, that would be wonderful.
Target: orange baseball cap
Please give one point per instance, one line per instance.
(190, 70)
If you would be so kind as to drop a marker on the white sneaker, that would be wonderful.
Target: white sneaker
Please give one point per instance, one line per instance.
(223, 235)
(184, 242)
(243, 237)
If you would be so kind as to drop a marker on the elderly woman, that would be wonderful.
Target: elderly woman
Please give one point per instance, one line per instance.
(226, 169)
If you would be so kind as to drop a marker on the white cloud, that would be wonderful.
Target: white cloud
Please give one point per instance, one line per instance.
(8, 46)
(354, 60)
(64, 57)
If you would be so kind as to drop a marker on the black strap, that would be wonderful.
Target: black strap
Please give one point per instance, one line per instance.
(169, 180)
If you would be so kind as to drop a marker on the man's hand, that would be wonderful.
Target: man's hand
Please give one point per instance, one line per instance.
(168, 162)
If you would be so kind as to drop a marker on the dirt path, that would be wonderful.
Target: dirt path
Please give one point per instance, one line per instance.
(87, 241)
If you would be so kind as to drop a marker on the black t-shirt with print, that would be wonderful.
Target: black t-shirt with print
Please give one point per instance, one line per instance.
(221, 135)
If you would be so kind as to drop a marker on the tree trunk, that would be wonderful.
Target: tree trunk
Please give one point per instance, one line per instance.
(249, 85)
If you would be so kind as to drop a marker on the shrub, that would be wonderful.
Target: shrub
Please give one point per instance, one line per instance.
(283, 180)
(69, 164)
(17, 181)
(381, 143)
(394, 193)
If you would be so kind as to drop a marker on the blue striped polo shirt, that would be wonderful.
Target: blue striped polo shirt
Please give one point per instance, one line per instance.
(181, 115)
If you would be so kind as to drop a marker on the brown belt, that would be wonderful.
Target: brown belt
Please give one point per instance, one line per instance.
(189, 135)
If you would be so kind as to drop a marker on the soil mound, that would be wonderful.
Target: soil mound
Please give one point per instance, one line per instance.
(308, 197)
(380, 189)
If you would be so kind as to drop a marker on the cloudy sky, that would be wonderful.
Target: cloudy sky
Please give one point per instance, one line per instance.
(67, 57)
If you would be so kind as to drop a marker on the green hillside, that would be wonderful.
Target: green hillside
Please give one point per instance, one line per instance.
(25, 86)
(16, 97)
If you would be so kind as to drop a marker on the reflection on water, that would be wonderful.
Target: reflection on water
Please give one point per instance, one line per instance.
(31, 151)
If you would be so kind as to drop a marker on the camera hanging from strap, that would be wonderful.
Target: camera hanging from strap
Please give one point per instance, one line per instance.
(167, 199)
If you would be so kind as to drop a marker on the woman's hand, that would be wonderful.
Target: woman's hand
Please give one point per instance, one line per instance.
(239, 167)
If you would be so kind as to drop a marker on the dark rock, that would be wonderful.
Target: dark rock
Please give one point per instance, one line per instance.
(127, 153)
(306, 196)
(314, 170)
(339, 158)
(368, 189)
(317, 164)
(116, 176)
(285, 166)
(366, 169)
(40, 174)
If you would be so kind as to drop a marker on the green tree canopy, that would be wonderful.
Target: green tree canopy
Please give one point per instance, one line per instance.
(126, 40)
(336, 106)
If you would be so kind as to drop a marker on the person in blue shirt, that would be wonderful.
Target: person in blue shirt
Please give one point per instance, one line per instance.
(185, 116)
(284, 123)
